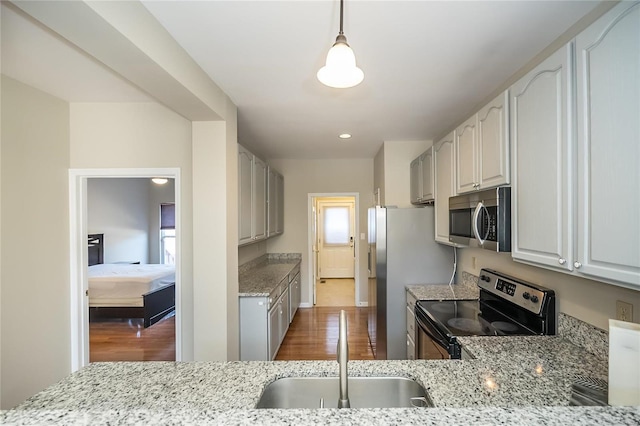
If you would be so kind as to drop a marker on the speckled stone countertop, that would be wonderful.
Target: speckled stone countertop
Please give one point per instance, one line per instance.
(467, 289)
(261, 276)
(510, 380)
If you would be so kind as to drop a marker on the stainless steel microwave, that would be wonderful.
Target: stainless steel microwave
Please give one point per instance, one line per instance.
(482, 219)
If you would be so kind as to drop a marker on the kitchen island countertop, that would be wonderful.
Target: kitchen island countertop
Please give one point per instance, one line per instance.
(512, 380)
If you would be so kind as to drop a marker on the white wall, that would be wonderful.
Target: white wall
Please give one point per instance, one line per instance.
(303, 177)
(591, 301)
(34, 241)
(158, 194)
(119, 209)
(378, 175)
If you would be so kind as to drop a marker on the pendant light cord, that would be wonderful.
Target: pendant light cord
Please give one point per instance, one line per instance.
(341, 5)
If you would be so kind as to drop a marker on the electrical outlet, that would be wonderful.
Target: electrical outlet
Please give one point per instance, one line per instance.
(624, 311)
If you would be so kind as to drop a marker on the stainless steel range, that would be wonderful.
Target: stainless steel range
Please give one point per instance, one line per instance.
(507, 307)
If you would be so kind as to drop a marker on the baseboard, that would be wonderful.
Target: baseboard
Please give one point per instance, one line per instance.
(306, 305)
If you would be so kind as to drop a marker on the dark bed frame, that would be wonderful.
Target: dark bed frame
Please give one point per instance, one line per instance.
(156, 304)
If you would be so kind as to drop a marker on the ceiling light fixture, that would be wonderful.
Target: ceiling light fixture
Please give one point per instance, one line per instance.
(160, 181)
(340, 70)
(345, 136)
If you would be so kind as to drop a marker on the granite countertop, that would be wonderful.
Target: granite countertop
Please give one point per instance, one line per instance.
(261, 276)
(511, 380)
(467, 289)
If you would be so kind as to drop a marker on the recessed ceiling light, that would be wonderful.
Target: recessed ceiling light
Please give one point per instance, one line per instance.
(159, 181)
(345, 136)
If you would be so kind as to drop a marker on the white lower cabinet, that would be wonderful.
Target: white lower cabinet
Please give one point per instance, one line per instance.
(264, 321)
(295, 295)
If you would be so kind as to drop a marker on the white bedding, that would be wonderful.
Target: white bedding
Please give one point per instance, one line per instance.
(124, 284)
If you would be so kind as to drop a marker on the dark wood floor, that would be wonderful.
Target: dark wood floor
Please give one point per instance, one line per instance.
(313, 334)
(128, 340)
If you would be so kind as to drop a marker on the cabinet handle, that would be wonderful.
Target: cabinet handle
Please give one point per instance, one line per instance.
(577, 264)
(562, 261)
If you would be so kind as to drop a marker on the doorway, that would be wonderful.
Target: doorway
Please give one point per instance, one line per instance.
(78, 184)
(334, 231)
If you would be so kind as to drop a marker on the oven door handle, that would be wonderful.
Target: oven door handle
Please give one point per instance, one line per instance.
(476, 216)
(428, 329)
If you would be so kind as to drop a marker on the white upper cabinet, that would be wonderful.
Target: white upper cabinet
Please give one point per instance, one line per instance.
(252, 197)
(444, 184)
(245, 196)
(608, 166)
(493, 143)
(415, 181)
(421, 178)
(542, 144)
(275, 203)
(466, 149)
(259, 198)
(426, 174)
(482, 147)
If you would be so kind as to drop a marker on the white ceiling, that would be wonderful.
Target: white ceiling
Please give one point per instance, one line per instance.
(427, 64)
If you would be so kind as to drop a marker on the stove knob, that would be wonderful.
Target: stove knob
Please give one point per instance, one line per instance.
(526, 295)
(485, 278)
(534, 298)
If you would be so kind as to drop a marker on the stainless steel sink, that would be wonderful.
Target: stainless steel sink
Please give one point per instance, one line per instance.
(364, 392)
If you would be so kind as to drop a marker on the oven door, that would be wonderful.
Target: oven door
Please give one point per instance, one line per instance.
(431, 344)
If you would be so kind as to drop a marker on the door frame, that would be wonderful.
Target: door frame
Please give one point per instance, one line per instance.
(311, 200)
(78, 281)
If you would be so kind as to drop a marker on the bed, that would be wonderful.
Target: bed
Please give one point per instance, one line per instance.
(125, 290)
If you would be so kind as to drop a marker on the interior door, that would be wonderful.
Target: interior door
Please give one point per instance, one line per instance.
(336, 239)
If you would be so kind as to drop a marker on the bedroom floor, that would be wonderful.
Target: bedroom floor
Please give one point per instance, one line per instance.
(128, 340)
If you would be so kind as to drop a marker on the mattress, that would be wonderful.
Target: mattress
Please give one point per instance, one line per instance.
(112, 285)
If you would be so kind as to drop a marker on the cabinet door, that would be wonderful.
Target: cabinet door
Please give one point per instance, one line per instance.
(415, 181)
(426, 174)
(274, 330)
(444, 173)
(279, 204)
(259, 198)
(284, 314)
(272, 202)
(245, 197)
(608, 112)
(411, 348)
(542, 209)
(493, 143)
(466, 155)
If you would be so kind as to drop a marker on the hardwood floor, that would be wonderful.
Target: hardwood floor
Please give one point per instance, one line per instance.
(128, 340)
(313, 334)
(336, 292)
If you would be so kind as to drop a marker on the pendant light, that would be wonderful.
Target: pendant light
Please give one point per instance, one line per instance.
(340, 70)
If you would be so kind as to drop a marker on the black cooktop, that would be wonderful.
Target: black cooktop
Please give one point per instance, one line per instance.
(468, 318)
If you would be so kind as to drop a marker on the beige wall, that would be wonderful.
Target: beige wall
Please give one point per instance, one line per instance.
(142, 135)
(303, 177)
(213, 277)
(252, 251)
(34, 241)
(395, 173)
(378, 176)
(591, 301)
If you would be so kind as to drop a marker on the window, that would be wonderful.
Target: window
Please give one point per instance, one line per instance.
(336, 225)
(168, 233)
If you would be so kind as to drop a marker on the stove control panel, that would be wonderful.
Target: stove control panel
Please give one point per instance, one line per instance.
(521, 293)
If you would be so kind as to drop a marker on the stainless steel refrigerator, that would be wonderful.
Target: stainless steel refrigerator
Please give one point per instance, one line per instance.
(402, 251)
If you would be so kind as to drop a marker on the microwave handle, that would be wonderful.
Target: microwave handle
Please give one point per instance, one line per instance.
(476, 214)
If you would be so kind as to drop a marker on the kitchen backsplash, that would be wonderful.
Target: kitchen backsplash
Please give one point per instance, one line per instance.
(272, 257)
(587, 336)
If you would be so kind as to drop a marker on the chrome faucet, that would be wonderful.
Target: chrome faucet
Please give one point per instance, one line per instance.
(343, 358)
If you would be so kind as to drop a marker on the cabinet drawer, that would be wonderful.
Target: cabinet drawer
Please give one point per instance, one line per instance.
(411, 301)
